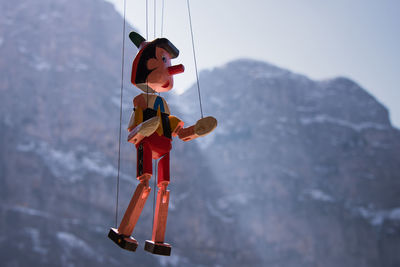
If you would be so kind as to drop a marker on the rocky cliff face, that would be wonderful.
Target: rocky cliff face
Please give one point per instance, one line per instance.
(298, 172)
(308, 169)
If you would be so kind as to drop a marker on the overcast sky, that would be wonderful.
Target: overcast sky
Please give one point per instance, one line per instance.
(358, 39)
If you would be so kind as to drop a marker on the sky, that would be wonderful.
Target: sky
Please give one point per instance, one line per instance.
(358, 39)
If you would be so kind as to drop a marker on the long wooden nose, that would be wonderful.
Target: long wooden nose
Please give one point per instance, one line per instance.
(172, 70)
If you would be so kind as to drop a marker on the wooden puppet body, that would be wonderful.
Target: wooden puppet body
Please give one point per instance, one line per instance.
(151, 129)
(153, 141)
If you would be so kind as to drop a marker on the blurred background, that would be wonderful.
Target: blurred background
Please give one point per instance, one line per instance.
(303, 169)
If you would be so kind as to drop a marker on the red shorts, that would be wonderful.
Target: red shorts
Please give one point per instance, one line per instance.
(154, 147)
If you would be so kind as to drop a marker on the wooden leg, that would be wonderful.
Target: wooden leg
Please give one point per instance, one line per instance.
(135, 207)
(156, 245)
(161, 214)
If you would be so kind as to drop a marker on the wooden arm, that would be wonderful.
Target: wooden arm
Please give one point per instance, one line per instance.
(176, 125)
(187, 134)
(202, 127)
(144, 129)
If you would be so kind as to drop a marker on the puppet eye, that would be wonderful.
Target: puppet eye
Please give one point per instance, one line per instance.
(164, 59)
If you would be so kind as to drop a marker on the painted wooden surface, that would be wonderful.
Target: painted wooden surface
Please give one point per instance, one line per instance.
(151, 128)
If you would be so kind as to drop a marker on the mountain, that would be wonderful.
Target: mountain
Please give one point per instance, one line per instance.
(309, 169)
(297, 173)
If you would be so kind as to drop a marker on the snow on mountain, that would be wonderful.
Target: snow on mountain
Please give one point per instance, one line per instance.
(321, 118)
(378, 217)
(70, 242)
(72, 164)
(320, 195)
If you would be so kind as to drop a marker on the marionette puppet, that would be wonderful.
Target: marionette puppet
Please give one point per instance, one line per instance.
(151, 129)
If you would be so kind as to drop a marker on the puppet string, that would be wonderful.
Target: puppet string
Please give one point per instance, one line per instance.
(194, 58)
(120, 114)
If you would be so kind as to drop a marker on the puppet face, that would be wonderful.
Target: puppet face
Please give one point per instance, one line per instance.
(160, 79)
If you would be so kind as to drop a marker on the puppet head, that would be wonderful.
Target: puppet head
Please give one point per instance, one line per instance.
(151, 68)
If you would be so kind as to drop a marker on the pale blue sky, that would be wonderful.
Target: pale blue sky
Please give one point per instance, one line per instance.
(358, 39)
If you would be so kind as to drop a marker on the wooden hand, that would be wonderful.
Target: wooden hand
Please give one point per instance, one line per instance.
(144, 129)
(202, 127)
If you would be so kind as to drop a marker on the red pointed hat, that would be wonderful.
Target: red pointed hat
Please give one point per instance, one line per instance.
(140, 43)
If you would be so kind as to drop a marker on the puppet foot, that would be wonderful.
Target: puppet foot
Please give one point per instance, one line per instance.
(157, 248)
(125, 242)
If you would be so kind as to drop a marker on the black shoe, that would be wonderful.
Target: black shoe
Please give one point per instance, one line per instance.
(158, 248)
(125, 242)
